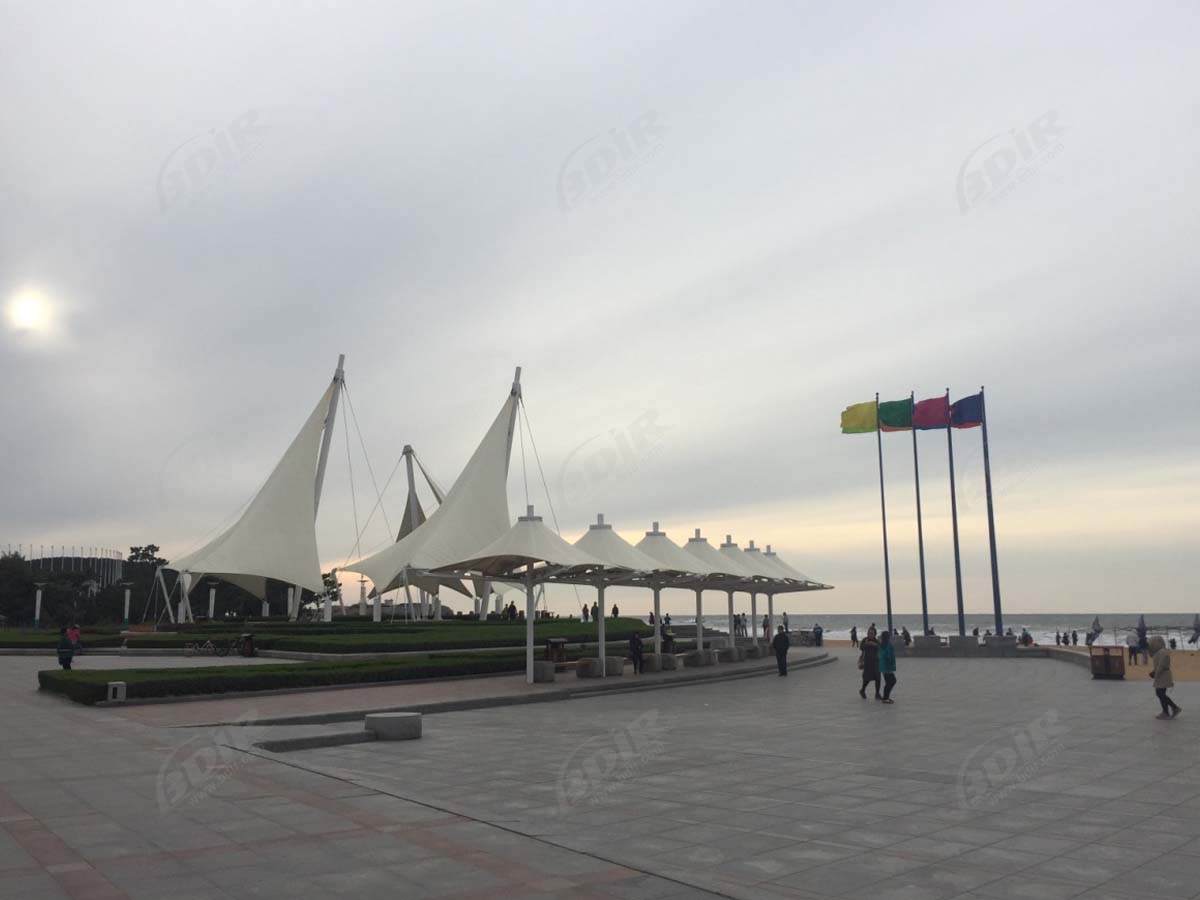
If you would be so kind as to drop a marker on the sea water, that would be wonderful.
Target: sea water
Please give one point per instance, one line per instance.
(1043, 626)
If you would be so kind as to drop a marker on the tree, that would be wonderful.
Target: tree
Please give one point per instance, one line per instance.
(146, 554)
(16, 589)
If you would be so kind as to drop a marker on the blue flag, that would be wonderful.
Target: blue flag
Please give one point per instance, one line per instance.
(967, 412)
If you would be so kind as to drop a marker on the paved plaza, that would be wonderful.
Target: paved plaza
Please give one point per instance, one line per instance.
(988, 778)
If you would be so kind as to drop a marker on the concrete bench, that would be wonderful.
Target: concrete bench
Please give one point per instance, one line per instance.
(587, 667)
(699, 658)
(754, 651)
(543, 671)
(652, 662)
(395, 726)
(731, 654)
(614, 665)
(669, 662)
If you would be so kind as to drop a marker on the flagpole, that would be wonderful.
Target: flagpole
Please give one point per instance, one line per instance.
(912, 401)
(987, 481)
(962, 621)
(887, 572)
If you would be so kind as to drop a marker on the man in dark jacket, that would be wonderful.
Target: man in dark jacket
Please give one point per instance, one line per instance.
(780, 645)
(635, 652)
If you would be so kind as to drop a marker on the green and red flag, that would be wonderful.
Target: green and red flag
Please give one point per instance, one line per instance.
(896, 415)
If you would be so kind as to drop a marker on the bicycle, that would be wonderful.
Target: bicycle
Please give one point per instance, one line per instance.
(208, 648)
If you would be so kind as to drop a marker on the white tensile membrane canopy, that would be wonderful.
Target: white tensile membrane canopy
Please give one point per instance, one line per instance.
(785, 570)
(276, 536)
(630, 566)
(536, 550)
(473, 514)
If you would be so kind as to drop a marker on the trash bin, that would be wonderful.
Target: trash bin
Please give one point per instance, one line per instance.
(247, 641)
(1107, 662)
(556, 650)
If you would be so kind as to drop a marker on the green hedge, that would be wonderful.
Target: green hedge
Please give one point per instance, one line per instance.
(399, 638)
(32, 640)
(90, 687)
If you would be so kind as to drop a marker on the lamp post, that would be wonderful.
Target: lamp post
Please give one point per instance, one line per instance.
(37, 605)
(128, 587)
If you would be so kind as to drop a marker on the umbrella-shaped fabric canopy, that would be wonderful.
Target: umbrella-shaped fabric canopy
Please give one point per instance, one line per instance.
(658, 545)
(532, 547)
(629, 565)
(730, 572)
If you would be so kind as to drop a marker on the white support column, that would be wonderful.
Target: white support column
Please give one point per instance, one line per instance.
(293, 606)
(600, 630)
(770, 618)
(499, 600)
(377, 609)
(754, 618)
(266, 608)
(212, 601)
(184, 614)
(699, 621)
(732, 635)
(327, 611)
(657, 622)
(529, 627)
(37, 607)
(437, 606)
(362, 596)
(126, 619)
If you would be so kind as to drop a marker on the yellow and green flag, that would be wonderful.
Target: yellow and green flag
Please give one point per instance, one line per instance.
(861, 418)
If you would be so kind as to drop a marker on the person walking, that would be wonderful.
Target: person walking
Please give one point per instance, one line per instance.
(853, 635)
(1074, 638)
(595, 611)
(74, 638)
(1163, 679)
(585, 612)
(766, 623)
(780, 644)
(868, 662)
(66, 650)
(1131, 642)
(887, 665)
(818, 632)
(635, 652)
(786, 629)
(616, 612)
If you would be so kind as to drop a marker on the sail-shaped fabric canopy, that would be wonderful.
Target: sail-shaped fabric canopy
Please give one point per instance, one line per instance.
(473, 514)
(276, 536)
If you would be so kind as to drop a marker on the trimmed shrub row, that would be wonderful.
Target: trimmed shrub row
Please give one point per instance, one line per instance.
(48, 639)
(396, 639)
(90, 687)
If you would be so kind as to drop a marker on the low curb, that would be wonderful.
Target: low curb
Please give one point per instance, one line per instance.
(574, 693)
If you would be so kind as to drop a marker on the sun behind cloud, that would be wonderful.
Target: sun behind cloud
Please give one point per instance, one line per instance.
(30, 311)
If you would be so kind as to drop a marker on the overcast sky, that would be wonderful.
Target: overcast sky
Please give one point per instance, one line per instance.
(702, 228)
